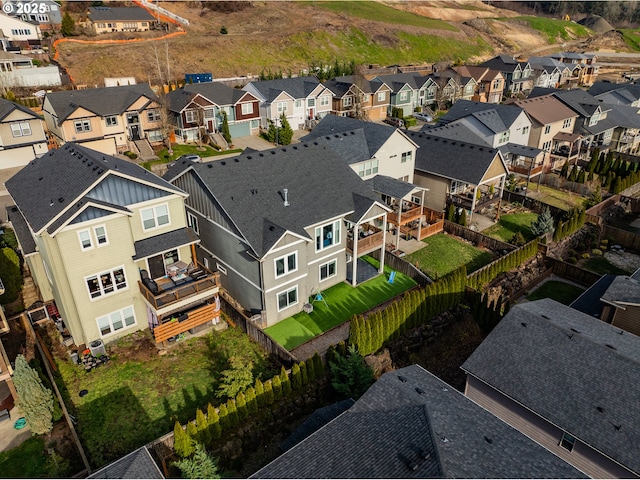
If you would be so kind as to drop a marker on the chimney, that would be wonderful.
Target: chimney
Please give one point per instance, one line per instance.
(286, 197)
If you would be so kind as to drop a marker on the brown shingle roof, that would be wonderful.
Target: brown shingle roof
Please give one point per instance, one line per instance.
(545, 109)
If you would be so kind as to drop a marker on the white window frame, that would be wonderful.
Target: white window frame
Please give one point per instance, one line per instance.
(247, 108)
(567, 441)
(155, 217)
(88, 238)
(368, 168)
(566, 123)
(334, 239)
(220, 268)
(124, 314)
(595, 118)
(116, 285)
(99, 236)
(504, 137)
(405, 157)
(286, 293)
(525, 129)
(153, 115)
(547, 129)
(111, 120)
(468, 88)
(192, 221)
(282, 107)
(311, 102)
(324, 100)
(82, 126)
(382, 96)
(347, 101)
(546, 146)
(326, 265)
(298, 103)
(21, 129)
(287, 269)
(403, 96)
(190, 116)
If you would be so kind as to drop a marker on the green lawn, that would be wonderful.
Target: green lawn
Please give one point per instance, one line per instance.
(139, 394)
(561, 292)
(378, 12)
(343, 301)
(25, 461)
(179, 150)
(443, 254)
(602, 266)
(510, 224)
(553, 28)
(558, 198)
(631, 37)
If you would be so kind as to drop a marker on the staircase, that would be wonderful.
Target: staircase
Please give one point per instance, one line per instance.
(146, 152)
(218, 139)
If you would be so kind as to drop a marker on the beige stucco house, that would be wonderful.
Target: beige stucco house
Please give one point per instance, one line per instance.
(22, 136)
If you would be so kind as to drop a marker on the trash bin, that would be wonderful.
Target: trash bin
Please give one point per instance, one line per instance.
(74, 357)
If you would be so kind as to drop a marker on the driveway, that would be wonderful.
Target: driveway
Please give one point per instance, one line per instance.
(255, 142)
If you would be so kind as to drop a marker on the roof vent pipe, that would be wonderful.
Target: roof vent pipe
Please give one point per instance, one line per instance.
(285, 191)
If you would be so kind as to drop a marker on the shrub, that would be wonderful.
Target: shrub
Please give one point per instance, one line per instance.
(543, 224)
(241, 405)
(604, 241)
(260, 393)
(586, 255)
(34, 399)
(11, 275)
(572, 260)
(223, 30)
(235, 379)
(518, 239)
(284, 381)
(252, 403)
(277, 387)
(183, 444)
(232, 413)
(350, 375)
(268, 393)
(201, 465)
(204, 433)
(596, 251)
(215, 430)
(296, 377)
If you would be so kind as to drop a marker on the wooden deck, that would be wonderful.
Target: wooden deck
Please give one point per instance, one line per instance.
(367, 243)
(195, 318)
(176, 293)
(406, 216)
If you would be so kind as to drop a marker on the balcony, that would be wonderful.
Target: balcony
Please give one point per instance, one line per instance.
(370, 238)
(433, 223)
(181, 323)
(465, 200)
(185, 289)
(524, 169)
(410, 212)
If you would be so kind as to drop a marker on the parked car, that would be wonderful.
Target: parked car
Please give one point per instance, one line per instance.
(423, 116)
(396, 122)
(192, 157)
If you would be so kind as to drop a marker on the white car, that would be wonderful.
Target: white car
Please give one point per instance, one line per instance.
(423, 116)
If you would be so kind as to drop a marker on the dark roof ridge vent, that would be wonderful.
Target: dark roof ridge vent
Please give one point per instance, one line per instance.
(237, 160)
(402, 379)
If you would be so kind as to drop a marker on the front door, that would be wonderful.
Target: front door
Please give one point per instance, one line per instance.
(156, 267)
(133, 120)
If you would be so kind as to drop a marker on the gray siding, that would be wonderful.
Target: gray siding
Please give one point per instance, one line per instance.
(436, 197)
(583, 457)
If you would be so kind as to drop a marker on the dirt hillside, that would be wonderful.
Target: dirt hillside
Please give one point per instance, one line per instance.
(274, 35)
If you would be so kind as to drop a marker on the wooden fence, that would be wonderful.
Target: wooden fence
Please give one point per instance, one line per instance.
(622, 237)
(572, 272)
(531, 203)
(477, 238)
(404, 267)
(265, 341)
(531, 285)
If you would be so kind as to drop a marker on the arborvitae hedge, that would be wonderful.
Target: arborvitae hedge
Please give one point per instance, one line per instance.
(268, 393)
(192, 430)
(509, 261)
(224, 416)
(183, 445)
(213, 419)
(241, 405)
(304, 378)
(296, 377)
(285, 382)
(277, 388)
(260, 393)
(252, 403)
(204, 434)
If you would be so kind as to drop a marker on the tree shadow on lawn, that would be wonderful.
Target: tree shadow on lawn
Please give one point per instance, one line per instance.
(515, 227)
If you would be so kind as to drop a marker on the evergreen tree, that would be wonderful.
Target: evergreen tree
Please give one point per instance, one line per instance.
(581, 176)
(232, 413)
(260, 393)
(225, 127)
(183, 444)
(318, 365)
(543, 224)
(451, 212)
(252, 403)
(277, 387)
(201, 465)
(223, 414)
(296, 377)
(215, 430)
(268, 393)
(350, 375)
(68, 26)
(285, 382)
(463, 218)
(192, 431)
(564, 170)
(311, 372)
(11, 275)
(574, 174)
(202, 425)
(304, 377)
(235, 379)
(241, 405)
(34, 399)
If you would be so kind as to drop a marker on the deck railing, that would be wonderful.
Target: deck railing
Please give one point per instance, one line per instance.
(180, 292)
(406, 216)
(195, 318)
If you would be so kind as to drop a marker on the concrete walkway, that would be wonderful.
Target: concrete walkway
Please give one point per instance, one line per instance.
(255, 142)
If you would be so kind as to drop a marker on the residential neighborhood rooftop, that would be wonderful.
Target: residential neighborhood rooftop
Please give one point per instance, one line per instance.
(569, 368)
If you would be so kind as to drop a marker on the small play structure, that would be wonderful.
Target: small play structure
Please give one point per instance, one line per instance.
(318, 296)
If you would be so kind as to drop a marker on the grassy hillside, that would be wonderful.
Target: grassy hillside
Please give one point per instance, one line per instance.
(631, 37)
(553, 29)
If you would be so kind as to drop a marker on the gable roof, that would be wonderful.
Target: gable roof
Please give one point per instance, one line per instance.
(571, 369)
(219, 93)
(589, 301)
(398, 80)
(622, 292)
(7, 107)
(629, 90)
(101, 101)
(99, 14)
(455, 131)
(137, 464)
(623, 116)
(503, 63)
(451, 158)
(410, 424)
(297, 87)
(250, 189)
(582, 102)
(545, 109)
(374, 135)
(22, 231)
(62, 178)
(391, 186)
(497, 118)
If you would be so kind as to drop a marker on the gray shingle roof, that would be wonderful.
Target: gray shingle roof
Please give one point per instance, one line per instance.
(504, 63)
(411, 417)
(623, 116)
(6, 107)
(297, 87)
(391, 186)
(631, 91)
(455, 131)
(62, 177)
(98, 14)
(589, 301)
(452, 159)
(21, 229)
(580, 101)
(398, 80)
(137, 464)
(571, 369)
(524, 150)
(497, 118)
(623, 291)
(375, 135)
(219, 93)
(163, 242)
(250, 190)
(101, 101)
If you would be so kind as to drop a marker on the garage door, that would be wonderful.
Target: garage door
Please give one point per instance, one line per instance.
(105, 145)
(240, 129)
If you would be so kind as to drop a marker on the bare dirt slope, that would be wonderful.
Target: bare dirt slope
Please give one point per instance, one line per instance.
(271, 35)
